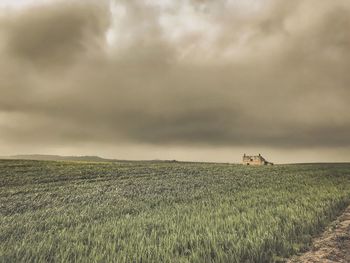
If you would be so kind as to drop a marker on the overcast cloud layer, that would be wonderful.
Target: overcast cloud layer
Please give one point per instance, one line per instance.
(164, 79)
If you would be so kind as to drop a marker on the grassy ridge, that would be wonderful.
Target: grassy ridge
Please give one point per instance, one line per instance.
(164, 212)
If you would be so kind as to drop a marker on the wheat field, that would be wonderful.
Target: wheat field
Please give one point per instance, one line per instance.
(164, 211)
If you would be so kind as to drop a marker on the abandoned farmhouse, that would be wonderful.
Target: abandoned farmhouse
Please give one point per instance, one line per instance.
(255, 160)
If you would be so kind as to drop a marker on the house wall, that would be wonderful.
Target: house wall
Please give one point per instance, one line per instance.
(253, 160)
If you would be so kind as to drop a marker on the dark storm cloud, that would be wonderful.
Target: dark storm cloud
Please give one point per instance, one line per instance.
(273, 77)
(54, 34)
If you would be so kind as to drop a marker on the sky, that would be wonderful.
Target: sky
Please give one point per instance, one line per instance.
(197, 80)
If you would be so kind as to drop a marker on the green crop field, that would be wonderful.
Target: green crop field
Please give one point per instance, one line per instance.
(165, 211)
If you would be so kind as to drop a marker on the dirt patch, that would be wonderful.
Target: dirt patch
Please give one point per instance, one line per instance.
(332, 246)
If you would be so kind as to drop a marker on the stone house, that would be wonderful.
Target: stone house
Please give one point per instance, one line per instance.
(255, 160)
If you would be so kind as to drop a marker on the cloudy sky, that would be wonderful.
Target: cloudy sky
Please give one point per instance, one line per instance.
(204, 80)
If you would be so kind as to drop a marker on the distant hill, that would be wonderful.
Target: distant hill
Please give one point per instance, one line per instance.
(44, 157)
(86, 158)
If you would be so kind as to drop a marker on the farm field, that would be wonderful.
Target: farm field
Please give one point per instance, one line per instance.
(164, 211)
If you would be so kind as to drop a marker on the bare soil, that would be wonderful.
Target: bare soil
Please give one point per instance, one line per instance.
(332, 246)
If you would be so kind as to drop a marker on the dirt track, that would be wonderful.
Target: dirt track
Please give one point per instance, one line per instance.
(332, 246)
